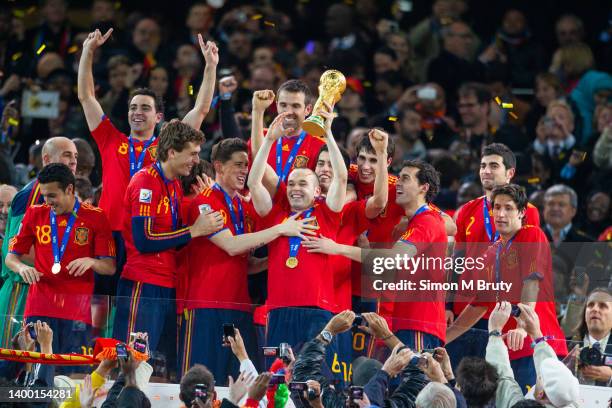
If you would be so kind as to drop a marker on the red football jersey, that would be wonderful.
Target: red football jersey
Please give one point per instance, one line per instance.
(61, 295)
(225, 276)
(148, 196)
(381, 231)
(114, 151)
(305, 157)
(312, 274)
(353, 224)
(472, 234)
(427, 233)
(527, 256)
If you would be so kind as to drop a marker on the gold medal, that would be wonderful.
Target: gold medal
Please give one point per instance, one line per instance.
(291, 262)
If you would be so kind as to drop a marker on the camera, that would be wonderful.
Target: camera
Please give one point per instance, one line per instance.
(122, 352)
(359, 321)
(32, 331)
(355, 393)
(140, 346)
(430, 351)
(298, 386)
(516, 312)
(277, 379)
(201, 392)
(593, 356)
(228, 331)
(283, 352)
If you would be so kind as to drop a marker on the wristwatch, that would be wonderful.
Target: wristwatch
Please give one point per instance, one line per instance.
(326, 336)
(495, 333)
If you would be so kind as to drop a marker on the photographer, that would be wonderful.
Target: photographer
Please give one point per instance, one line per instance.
(555, 386)
(594, 332)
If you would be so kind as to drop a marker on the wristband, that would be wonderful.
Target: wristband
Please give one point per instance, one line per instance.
(251, 403)
(541, 339)
(495, 333)
(388, 337)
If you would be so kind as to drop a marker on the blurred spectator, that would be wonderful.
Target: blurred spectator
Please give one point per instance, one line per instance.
(398, 42)
(547, 89)
(437, 395)
(385, 60)
(84, 190)
(500, 85)
(7, 192)
(514, 47)
(342, 28)
(238, 52)
(467, 192)
(86, 160)
(556, 141)
(145, 47)
(560, 205)
(426, 36)
(597, 214)
(569, 29)
(477, 381)
(408, 144)
(594, 330)
(454, 65)
(198, 374)
(55, 30)
(200, 20)
(602, 153)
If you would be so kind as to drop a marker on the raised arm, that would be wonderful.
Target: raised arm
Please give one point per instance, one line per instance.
(337, 189)
(377, 203)
(85, 85)
(195, 116)
(262, 200)
(261, 101)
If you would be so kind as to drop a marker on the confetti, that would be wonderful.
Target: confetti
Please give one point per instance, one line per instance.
(73, 49)
(13, 122)
(257, 17)
(269, 23)
(190, 89)
(41, 49)
(513, 115)
(31, 10)
(19, 13)
(16, 56)
(393, 118)
(533, 180)
(498, 100)
(507, 105)
(367, 84)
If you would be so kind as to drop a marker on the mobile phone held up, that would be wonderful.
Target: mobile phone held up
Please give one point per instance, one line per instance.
(122, 352)
(228, 331)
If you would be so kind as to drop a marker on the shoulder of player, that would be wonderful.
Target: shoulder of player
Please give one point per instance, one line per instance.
(20, 201)
(531, 233)
(146, 177)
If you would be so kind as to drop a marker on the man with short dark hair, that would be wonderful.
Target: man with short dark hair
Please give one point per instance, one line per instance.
(123, 156)
(225, 296)
(153, 228)
(521, 258)
(477, 381)
(198, 374)
(14, 290)
(475, 232)
(71, 241)
(297, 149)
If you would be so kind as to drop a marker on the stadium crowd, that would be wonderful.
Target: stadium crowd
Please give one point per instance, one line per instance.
(157, 186)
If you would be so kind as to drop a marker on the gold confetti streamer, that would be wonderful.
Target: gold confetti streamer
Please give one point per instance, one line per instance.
(269, 23)
(498, 100)
(73, 49)
(41, 49)
(16, 56)
(13, 122)
(507, 105)
(393, 118)
(513, 115)
(190, 89)
(257, 17)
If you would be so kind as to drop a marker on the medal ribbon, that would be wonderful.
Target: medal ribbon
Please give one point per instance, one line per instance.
(135, 164)
(58, 252)
(498, 251)
(237, 219)
(173, 200)
(296, 242)
(283, 173)
(487, 222)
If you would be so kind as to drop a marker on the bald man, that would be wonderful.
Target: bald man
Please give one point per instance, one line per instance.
(14, 290)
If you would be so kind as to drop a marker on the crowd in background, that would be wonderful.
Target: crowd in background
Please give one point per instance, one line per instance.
(438, 83)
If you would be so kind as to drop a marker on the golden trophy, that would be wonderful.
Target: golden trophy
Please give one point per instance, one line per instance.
(331, 86)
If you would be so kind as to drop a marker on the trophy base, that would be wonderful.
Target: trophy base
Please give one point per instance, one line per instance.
(315, 125)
